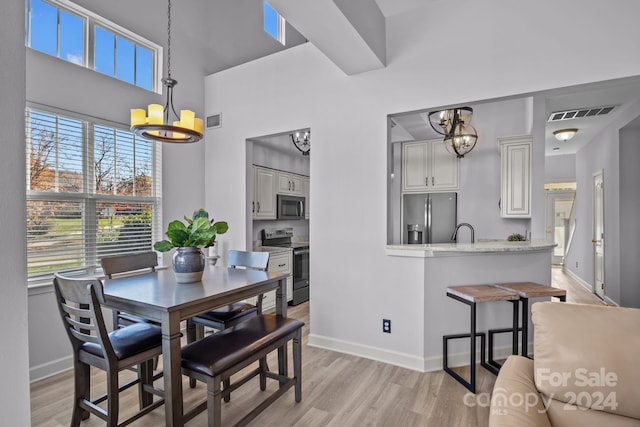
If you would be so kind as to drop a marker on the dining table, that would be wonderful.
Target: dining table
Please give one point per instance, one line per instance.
(157, 296)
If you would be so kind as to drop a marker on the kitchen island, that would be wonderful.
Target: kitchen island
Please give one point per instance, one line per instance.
(488, 262)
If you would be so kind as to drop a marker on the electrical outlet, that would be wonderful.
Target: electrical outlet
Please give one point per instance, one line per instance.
(386, 326)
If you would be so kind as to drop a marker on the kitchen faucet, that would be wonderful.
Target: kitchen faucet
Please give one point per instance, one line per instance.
(454, 236)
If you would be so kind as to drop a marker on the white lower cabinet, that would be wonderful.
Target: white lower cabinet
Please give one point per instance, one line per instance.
(280, 262)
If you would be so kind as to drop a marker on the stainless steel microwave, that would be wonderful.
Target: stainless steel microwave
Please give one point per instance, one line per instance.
(290, 207)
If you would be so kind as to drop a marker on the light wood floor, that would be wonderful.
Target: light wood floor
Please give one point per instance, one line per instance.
(338, 390)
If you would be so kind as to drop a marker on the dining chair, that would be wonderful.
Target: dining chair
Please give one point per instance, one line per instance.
(79, 303)
(232, 314)
(224, 317)
(140, 262)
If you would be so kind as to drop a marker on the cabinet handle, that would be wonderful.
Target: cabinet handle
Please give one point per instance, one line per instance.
(253, 207)
(289, 185)
(281, 265)
(293, 183)
(433, 180)
(426, 181)
(258, 203)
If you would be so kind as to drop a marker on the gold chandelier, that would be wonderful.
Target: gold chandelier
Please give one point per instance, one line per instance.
(156, 124)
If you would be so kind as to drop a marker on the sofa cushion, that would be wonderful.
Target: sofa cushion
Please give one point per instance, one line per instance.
(586, 355)
(515, 400)
(565, 415)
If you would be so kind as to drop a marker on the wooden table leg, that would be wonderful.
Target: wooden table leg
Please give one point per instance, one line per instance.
(172, 369)
(281, 309)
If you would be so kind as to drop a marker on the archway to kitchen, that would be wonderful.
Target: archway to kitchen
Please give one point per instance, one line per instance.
(278, 205)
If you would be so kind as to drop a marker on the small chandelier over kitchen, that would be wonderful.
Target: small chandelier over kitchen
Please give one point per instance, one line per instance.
(157, 125)
(459, 136)
(302, 142)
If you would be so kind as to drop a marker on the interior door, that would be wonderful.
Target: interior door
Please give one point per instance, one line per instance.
(598, 233)
(559, 205)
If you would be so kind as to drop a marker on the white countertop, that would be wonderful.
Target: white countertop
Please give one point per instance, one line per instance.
(449, 249)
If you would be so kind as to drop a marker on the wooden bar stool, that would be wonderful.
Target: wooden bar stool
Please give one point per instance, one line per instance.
(526, 290)
(471, 295)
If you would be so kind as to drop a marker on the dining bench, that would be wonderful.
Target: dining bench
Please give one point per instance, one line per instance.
(215, 358)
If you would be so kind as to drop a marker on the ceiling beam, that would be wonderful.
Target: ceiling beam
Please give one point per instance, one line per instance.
(351, 33)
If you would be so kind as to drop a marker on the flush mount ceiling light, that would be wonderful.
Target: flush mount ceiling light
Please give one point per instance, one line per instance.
(302, 142)
(565, 134)
(157, 125)
(459, 136)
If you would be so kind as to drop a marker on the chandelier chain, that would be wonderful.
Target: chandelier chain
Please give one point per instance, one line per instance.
(169, 40)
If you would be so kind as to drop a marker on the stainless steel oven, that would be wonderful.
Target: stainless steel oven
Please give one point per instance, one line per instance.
(290, 207)
(282, 238)
(300, 275)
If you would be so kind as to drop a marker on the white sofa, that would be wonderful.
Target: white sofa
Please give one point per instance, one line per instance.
(586, 370)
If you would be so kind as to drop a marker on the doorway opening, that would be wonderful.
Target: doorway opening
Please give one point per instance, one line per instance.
(560, 217)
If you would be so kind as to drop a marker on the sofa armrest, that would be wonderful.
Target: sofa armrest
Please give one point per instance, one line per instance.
(515, 401)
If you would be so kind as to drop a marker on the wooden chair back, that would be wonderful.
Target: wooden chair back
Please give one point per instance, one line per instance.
(251, 260)
(79, 301)
(129, 262)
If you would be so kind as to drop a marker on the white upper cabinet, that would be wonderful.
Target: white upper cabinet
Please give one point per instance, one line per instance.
(428, 166)
(289, 183)
(515, 178)
(264, 193)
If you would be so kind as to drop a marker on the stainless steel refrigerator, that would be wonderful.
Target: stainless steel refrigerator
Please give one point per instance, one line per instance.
(429, 217)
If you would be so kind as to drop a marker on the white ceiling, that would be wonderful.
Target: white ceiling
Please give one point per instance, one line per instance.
(234, 35)
(395, 7)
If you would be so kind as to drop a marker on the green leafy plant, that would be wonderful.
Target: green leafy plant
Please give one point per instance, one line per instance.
(198, 232)
(515, 237)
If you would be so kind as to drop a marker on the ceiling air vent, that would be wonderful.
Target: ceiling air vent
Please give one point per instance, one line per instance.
(214, 121)
(580, 113)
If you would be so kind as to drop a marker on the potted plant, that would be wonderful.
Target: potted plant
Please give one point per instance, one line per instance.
(189, 239)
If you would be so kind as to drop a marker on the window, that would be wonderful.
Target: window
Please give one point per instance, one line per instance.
(62, 29)
(274, 23)
(93, 189)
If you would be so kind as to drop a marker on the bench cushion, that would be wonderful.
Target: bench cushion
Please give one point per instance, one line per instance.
(218, 352)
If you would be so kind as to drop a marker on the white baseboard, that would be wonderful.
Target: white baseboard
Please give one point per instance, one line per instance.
(588, 287)
(48, 369)
(395, 358)
(578, 279)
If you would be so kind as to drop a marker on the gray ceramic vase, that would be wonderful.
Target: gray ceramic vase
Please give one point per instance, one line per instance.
(188, 265)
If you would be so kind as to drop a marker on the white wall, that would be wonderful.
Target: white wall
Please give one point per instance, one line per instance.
(560, 168)
(14, 356)
(602, 153)
(54, 82)
(629, 212)
(509, 53)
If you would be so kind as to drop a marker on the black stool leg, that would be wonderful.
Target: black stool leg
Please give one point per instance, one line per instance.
(472, 348)
(525, 326)
(471, 385)
(445, 340)
(514, 338)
